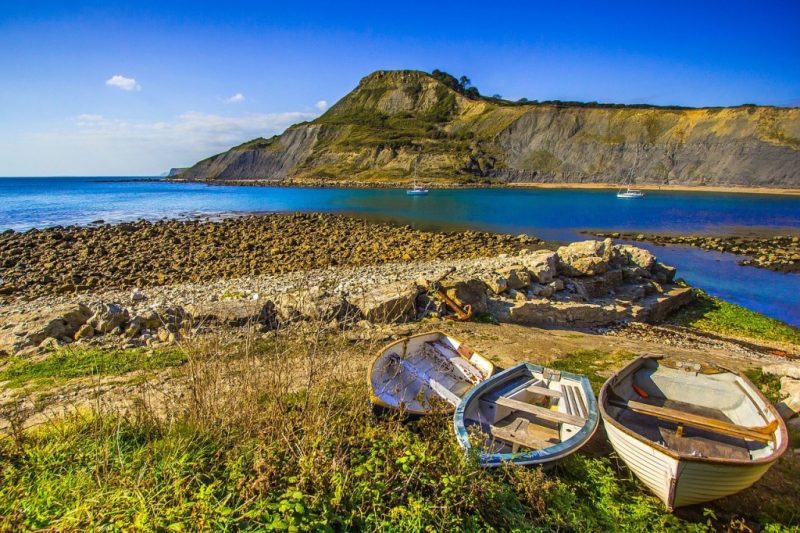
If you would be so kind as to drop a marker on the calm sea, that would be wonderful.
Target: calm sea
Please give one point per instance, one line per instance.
(547, 213)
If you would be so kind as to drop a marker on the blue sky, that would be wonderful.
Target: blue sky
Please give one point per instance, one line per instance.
(113, 88)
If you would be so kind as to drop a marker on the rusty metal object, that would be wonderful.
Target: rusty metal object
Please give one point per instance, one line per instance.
(462, 314)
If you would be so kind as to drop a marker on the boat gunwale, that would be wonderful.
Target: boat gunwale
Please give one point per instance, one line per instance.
(564, 448)
(636, 364)
(375, 400)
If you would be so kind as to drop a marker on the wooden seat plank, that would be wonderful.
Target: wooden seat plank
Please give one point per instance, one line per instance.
(517, 434)
(544, 391)
(761, 434)
(541, 412)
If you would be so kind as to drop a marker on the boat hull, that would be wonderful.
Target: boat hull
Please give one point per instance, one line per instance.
(544, 456)
(679, 478)
(401, 391)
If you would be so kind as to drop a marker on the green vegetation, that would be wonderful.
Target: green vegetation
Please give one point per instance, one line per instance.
(769, 384)
(68, 363)
(594, 364)
(293, 446)
(718, 316)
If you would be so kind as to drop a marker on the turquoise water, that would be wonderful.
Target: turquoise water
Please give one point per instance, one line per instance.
(547, 213)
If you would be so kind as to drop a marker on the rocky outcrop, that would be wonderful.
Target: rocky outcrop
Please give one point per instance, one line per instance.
(375, 134)
(585, 284)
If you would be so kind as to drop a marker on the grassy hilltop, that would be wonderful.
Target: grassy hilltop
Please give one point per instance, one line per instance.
(393, 119)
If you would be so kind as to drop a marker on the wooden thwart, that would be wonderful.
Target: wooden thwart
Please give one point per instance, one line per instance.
(761, 434)
(541, 412)
(544, 391)
(517, 434)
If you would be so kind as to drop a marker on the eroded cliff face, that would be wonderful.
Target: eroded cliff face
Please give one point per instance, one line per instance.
(393, 119)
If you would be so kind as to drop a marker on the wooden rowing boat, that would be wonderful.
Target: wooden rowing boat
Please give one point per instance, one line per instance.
(424, 373)
(526, 415)
(690, 432)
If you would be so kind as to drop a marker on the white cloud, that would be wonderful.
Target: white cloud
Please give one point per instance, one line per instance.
(235, 99)
(121, 82)
(321, 105)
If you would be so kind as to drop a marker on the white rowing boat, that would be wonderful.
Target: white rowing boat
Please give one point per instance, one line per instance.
(690, 432)
(424, 373)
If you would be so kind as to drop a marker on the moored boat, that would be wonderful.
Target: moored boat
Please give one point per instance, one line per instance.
(690, 432)
(526, 415)
(425, 373)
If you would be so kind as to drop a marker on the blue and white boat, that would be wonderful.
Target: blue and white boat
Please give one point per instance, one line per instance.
(416, 190)
(526, 415)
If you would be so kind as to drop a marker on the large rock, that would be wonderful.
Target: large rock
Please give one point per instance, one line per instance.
(516, 277)
(59, 322)
(663, 273)
(789, 406)
(108, 317)
(585, 258)
(656, 307)
(314, 304)
(471, 292)
(598, 286)
(791, 370)
(636, 256)
(394, 302)
(541, 264)
(575, 314)
(233, 312)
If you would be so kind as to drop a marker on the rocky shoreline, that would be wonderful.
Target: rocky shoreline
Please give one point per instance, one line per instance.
(582, 285)
(70, 260)
(780, 253)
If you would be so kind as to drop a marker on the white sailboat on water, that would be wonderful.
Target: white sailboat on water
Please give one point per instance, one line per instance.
(628, 192)
(416, 190)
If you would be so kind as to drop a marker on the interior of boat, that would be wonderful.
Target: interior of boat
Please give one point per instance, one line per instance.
(693, 411)
(425, 371)
(531, 411)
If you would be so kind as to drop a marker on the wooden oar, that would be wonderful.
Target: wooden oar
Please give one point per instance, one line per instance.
(760, 433)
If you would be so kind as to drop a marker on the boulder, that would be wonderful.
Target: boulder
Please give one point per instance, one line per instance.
(472, 292)
(393, 302)
(314, 304)
(233, 312)
(585, 258)
(56, 322)
(635, 256)
(496, 283)
(84, 332)
(515, 277)
(789, 405)
(108, 317)
(541, 264)
(791, 370)
(663, 273)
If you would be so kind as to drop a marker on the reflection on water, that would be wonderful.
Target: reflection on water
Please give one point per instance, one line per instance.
(547, 213)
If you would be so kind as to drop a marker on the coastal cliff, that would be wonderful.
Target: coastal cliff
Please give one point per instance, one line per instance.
(392, 119)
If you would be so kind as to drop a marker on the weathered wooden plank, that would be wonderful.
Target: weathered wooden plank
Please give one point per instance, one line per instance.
(517, 434)
(544, 391)
(541, 412)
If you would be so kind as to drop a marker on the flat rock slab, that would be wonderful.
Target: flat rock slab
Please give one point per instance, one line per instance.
(577, 314)
(394, 302)
(233, 312)
(656, 307)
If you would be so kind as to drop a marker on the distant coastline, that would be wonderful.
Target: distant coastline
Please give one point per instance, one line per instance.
(339, 184)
